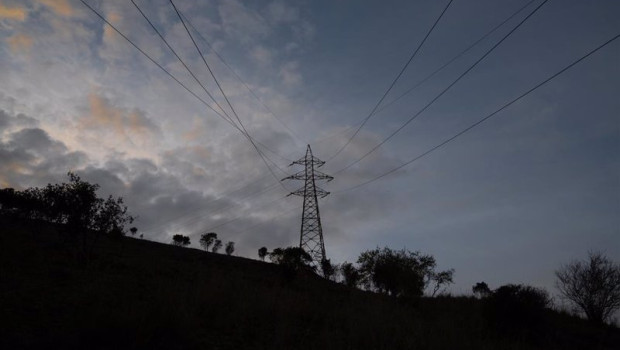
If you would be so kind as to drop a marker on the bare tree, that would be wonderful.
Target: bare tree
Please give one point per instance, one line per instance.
(593, 286)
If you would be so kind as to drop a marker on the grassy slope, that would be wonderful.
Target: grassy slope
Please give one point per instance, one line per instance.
(138, 294)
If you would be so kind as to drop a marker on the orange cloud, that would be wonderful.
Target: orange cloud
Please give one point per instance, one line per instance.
(20, 42)
(60, 7)
(16, 13)
(109, 35)
(105, 117)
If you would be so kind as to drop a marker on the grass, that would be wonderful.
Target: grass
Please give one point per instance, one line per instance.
(135, 294)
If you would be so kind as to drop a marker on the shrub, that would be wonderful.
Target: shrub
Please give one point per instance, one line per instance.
(514, 308)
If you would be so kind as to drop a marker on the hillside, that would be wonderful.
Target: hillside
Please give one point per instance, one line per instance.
(136, 294)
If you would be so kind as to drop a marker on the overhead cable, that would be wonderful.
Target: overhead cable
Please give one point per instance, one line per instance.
(260, 153)
(444, 90)
(372, 112)
(217, 54)
(445, 142)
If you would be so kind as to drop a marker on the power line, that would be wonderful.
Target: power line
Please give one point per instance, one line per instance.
(170, 74)
(486, 117)
(154, 62)
(444, 90)
(459, 55)
(196, 78)
(226, 98)
(393, 82)
(180, 59)
(217, 54)
(180, 83)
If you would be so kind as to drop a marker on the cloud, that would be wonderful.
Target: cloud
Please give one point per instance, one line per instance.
(279, 12)
(241, 22)
(20, 43)
(262, 55)
(60, 7)
(30, 156)
(105, 116)
(14, 13)
(290, 75)
(109, 34)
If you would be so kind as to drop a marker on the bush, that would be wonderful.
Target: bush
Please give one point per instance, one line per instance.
(180, 240)
(401, 272)
(514, 308)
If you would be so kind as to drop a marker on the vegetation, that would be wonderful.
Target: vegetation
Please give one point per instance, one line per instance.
(292, 258)
(207, 239)
(139, 294)
(517, 309)
(481, 290)
(230, 248)
(328, 270)
(217, 245)
(155, 296)
(401, 272)
(593, 286)
(262, 253)
(180, 240)
(75, 205)
(351, 276)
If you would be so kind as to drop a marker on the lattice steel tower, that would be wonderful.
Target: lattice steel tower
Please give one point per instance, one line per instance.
(311, 237)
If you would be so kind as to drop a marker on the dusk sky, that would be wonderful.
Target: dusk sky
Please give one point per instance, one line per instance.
(510, 201)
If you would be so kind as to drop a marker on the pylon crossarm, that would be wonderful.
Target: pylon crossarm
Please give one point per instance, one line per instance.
(320, 176)
(298, 176)
(299, 192)
(303, 161)
(321, 192)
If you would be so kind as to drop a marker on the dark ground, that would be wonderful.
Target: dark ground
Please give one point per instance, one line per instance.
(135, 294)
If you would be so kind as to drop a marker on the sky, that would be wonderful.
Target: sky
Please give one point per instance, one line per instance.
(510, 201)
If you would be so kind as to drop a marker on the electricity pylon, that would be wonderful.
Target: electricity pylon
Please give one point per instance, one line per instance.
(311, 237)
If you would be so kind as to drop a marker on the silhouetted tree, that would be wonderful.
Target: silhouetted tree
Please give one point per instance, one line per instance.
(329, 270)
(141, 236)
(293, 258)
(262, 252)
(401, 273)
(440, 280)
(111, 216)
(133, 231)
(513, 308)
(593, 286)
(207, 239)
(276, 255)
(350, 274)
(230, 248)
(481, 290)
(8, 201)
(180, 240)
(217, 245)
